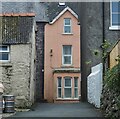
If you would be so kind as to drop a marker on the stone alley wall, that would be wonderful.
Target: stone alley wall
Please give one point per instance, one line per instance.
(16, 74)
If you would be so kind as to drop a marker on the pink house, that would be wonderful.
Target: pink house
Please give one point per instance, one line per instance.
(62, 79)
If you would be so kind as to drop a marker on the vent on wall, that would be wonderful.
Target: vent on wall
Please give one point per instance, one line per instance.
(61, 3)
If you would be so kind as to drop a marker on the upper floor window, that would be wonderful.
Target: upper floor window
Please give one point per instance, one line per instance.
(115, 14)
(4, 53)
(67, 25)
(67, 55)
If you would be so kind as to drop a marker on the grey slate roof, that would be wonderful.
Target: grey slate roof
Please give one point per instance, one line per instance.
(54, 9)
(17, 7)
(45, 11)
(40, 9)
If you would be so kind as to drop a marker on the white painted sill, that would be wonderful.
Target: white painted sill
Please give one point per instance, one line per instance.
(114, 28)
(67, 98)
(65, 66)
(67, 33)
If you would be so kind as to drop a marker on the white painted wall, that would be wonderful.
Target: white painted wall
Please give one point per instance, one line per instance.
(94, 85)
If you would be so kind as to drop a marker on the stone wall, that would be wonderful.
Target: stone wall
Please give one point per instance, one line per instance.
(39, 61)
(15, 74)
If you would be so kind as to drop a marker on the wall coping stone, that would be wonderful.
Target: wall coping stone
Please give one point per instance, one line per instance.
(6, 64)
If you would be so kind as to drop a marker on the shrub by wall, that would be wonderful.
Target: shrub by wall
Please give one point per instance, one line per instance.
(110, 100)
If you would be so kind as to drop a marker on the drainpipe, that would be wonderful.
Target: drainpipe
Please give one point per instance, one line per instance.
(103, 30)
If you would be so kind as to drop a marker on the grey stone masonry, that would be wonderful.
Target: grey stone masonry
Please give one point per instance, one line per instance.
(39, 61)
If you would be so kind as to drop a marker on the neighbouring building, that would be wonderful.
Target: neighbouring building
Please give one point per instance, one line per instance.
(114, 55)
(62, 79)
(17, 55)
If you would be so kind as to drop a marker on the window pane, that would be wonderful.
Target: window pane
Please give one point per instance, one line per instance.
(115, 19)
(67, 82)
(76, 82)
(67, 21)
(67, 93)
(115, 6)
(59, 82)
(67, 29)
(67, 59)
(76, 92)
(67, 50)
(59, 93)
(3, 48)
(4, 56)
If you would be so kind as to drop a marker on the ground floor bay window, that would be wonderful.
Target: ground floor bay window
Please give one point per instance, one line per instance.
(68, 87)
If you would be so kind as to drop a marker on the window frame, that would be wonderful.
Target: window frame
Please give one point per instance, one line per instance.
(67, 25)
(7, 51)
(76, 78)
(67, 55)
(113, 27)
(68, 87)
(59, 88)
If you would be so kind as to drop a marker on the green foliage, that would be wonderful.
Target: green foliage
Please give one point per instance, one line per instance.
(105, 46)
(112, 78)
(88, 62)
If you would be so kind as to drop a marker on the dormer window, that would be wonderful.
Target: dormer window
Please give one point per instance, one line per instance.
(67, 25)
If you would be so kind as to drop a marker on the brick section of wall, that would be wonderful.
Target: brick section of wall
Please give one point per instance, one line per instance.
(39, 61)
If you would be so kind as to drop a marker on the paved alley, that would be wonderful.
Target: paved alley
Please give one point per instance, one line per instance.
(61, 110)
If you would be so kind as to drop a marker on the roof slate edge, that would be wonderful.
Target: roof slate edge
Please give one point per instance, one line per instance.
(18, 14)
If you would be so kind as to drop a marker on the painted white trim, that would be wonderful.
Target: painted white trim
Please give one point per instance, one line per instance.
(61, 13)
(113, 27)
(67, 33)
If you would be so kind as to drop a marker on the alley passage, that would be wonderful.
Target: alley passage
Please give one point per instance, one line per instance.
(61, 110)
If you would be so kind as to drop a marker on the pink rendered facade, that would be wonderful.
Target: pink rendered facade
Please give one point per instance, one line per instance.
(62, 83)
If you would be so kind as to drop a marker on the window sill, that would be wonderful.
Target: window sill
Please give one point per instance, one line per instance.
(5, 64)
(67, 99)
(67, 66)
(114, 28)
(67, 33)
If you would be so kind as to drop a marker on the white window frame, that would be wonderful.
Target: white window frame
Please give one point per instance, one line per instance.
(67, 25)
(76, 87)
(67, 87)
(66, 55)
(7, 51)
(115, 27)
(59, 88)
